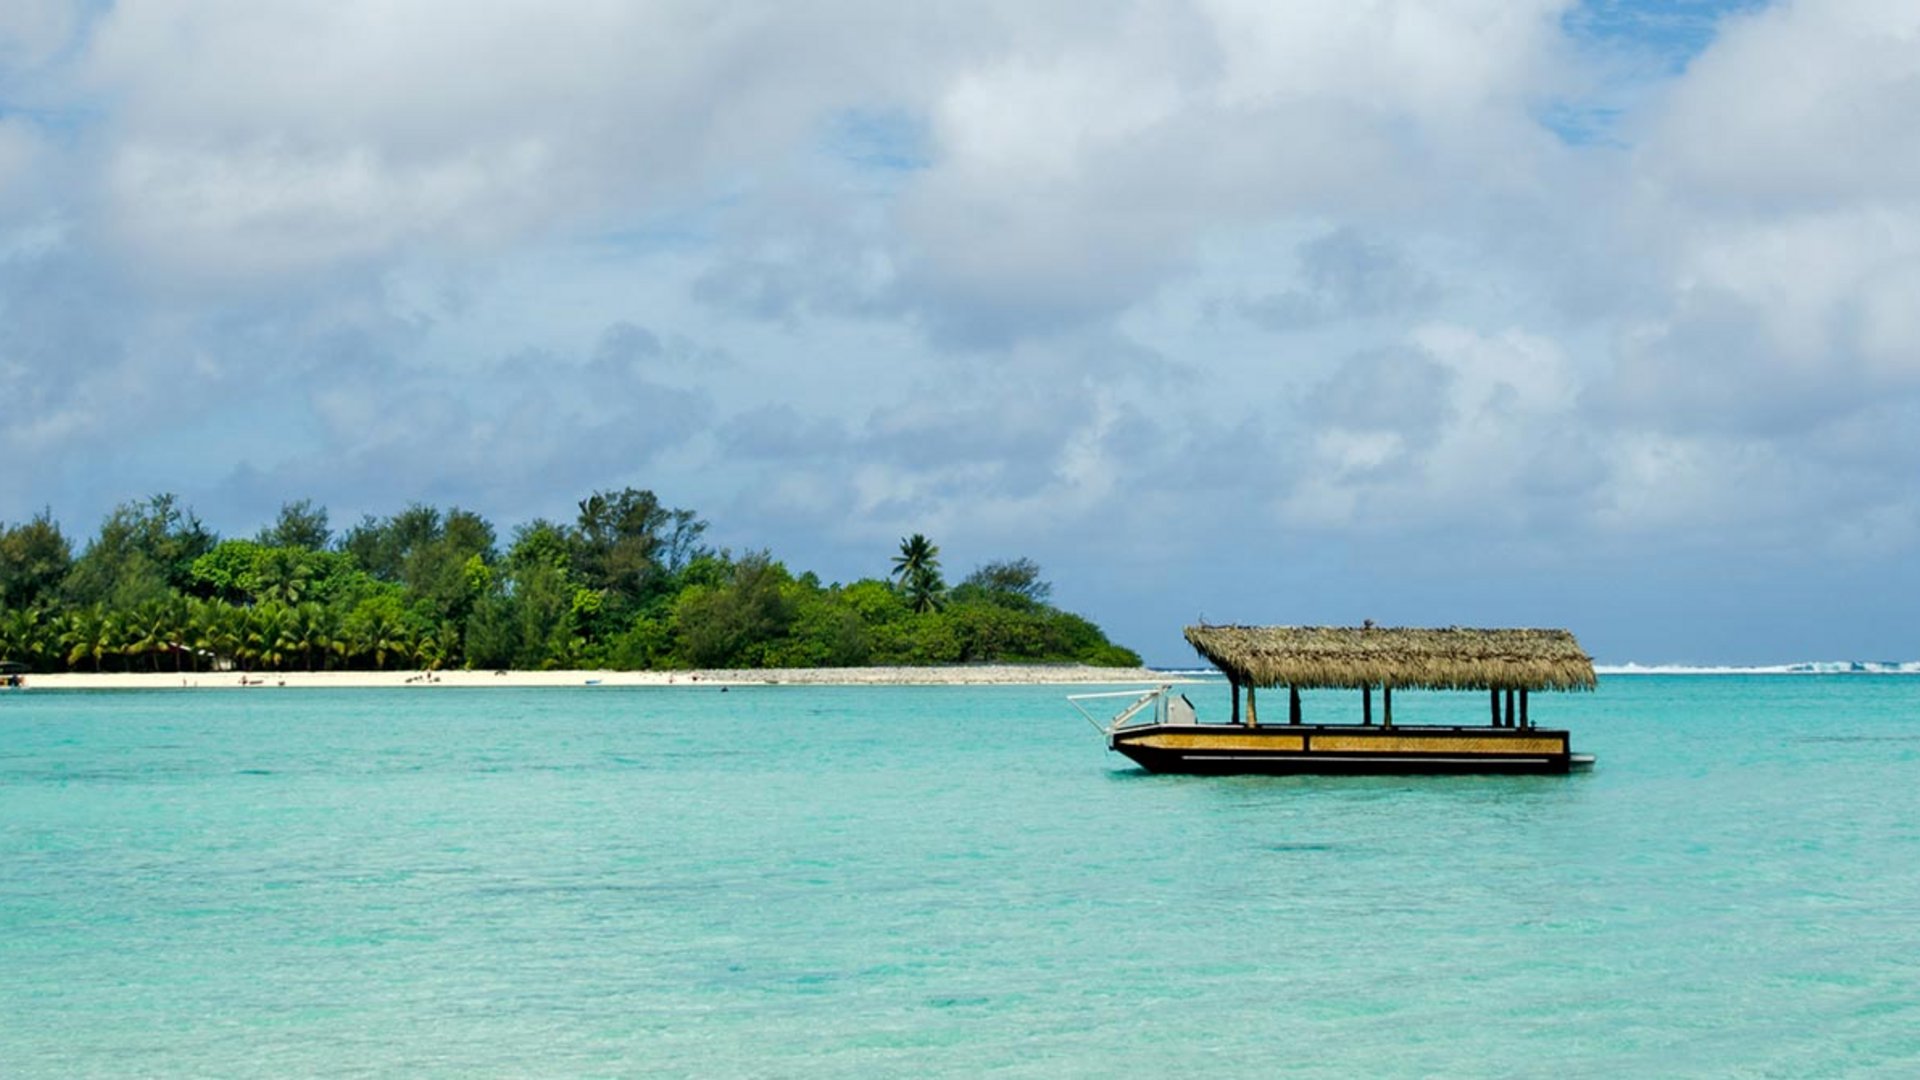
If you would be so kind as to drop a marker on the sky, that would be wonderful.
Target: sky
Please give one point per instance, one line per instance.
(1595, 315)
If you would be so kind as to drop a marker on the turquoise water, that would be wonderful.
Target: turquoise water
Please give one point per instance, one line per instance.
(789, 881)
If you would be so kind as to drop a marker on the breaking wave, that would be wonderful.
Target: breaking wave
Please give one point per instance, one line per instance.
(1809, 667)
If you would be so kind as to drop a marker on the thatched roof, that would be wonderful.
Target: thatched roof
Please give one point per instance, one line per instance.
(1455, 658)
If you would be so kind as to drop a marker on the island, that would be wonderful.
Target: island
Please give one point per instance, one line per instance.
(628, 586)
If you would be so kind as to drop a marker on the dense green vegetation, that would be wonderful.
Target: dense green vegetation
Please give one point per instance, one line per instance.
(629, 584)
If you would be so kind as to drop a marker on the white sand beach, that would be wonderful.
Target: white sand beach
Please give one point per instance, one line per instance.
(963, 675)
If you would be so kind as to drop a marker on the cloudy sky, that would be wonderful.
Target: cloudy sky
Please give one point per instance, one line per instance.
(1602, 315)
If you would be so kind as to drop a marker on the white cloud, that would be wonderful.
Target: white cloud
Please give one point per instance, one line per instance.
(1797, 106)
(267, 208)
(1068, 183)
(252, 138)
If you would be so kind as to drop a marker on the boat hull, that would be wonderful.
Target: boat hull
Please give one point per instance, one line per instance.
(1345, 748)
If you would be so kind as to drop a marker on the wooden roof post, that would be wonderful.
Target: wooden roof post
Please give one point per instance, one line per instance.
(1293, 704)
(1524, 722)
(1386, 704)
(1494, 696)
(1509, 708)
(1253, 720)
(1366, 705)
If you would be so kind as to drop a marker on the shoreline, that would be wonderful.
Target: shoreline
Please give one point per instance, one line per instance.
(960, 675)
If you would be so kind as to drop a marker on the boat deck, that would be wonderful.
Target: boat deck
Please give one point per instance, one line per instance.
(1345, 748)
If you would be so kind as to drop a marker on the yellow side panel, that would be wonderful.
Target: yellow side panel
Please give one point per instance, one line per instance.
(1222, 741)
(1389, 744)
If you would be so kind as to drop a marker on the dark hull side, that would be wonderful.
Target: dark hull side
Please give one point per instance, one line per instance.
(1325, 749)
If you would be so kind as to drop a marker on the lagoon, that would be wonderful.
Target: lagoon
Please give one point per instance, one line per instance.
(946, 881)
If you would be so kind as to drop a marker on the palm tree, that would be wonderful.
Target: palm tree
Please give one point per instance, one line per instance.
(375, 631)
(270, 634)
(90, 635)
(285, 576)
(24, 633)
(918, 569)
(228, 635)
(151, 630)
(439, 645)
(202, 632)
(179, 621)
(925, 591)
(917, 554)
(316, 629)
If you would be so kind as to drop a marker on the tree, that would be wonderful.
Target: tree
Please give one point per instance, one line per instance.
(90, 635)
(917, 569)
(536, 618)
(272, 634)
(156, 627)
(284, 575)
(682, 544)
(382, 547)
(315, 632)
(625, 543)
(27, 636)
(301, 525)
(202, 630)
(739, 623)
(916, 553)
(824, 632)
(376, 627)
(876, 602)
(439, 570)
(492, 639)
(34, 558)
(143, 550)
(221, 631)
(1011, 579)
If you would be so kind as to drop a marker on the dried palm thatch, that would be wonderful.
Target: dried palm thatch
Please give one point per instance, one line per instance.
(1454, 658)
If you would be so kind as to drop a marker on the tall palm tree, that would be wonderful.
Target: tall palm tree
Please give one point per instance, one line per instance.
(918, 569)
(917, 555)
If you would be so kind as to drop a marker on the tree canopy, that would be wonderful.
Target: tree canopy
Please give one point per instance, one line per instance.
(629, 583)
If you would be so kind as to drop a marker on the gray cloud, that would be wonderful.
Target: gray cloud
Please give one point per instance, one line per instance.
(365, 432)
(1384, 390)
(1344, 276)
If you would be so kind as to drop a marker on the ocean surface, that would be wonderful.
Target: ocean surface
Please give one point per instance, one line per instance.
(954, 881)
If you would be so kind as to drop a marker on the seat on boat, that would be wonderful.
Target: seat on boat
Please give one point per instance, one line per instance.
(1181, 711)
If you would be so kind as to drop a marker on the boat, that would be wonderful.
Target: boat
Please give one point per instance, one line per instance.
(1159, 728)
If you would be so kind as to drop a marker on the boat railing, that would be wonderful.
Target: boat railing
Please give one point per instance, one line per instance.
(1151, 704)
